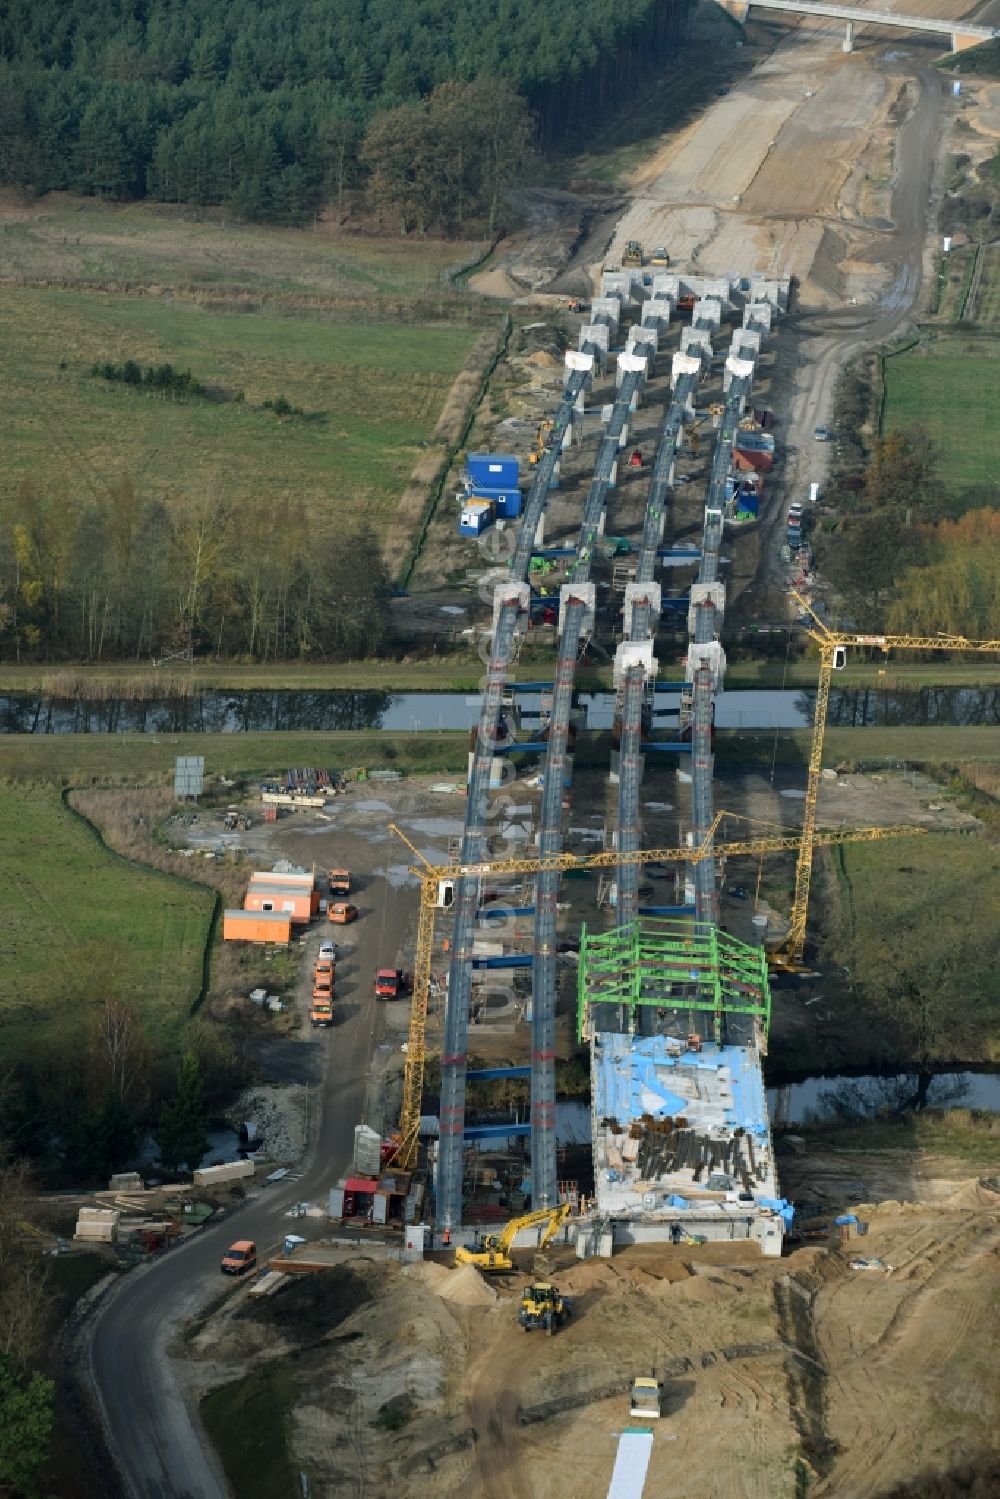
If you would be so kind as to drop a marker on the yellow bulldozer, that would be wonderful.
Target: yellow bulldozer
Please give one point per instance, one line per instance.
(493, 1255)
(633, 253)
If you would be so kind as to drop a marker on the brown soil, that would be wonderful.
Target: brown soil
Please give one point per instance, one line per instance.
(774, 1371)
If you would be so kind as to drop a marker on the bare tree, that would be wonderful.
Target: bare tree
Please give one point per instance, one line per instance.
(23, 1275)
(119, 1054)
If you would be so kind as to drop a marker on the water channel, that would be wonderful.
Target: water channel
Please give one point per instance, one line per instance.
(843, 1097)
(218, 712)
(819, 1099)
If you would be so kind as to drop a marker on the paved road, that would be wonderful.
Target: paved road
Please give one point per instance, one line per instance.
(157, 1442)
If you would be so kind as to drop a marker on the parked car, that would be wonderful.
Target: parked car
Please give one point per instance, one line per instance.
(822, 434)
(341, 912)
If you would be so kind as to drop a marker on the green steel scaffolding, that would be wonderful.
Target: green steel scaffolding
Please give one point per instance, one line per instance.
(676, 965)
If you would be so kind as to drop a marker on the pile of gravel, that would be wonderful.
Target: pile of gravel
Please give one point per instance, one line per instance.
(279, 1114)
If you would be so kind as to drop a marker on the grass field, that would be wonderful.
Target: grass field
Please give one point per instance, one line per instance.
(380, 387)
(966, 1134)
(917, 926)
(951, 387)
(80, 758)
(247, 1421)
(460, 672)
(66, 240)
(985, 307)
(138, 758)
(64, 894)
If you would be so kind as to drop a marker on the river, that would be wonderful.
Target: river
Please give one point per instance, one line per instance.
(218, 712)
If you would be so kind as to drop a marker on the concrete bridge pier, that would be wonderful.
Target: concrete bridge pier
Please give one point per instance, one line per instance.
(848, 43)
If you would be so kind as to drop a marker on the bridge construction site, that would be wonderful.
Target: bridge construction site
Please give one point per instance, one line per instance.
(675, 1011)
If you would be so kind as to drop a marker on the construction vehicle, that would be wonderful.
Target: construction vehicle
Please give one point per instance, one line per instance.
(659, 256)
(236, 822)
(390, 983)
(493, 1255)
(575, 304)
(543, 1306)
(341, 912)
(239, 1258)
(633, 253)
(339, 881)
(542, 438)
(646, 1398)
(635, 458)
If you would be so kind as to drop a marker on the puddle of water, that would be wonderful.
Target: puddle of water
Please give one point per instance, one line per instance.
(399, 875)
(451, 609)
(659, 806)
(794, 795)
(370, 806)
(437, 827)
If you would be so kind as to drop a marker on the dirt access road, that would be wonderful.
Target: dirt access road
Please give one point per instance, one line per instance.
(819, 166)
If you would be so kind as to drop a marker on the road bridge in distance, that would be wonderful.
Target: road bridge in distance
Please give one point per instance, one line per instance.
(960, 33)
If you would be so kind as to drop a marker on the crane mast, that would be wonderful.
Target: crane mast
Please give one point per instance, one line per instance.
(833, 648)
(429, 875)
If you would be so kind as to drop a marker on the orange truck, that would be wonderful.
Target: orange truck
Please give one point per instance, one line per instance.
(239, 1258)
(321, 1011)
(390, 983)
(340, 881)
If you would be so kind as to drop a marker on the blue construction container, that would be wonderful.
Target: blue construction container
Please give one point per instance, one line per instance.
(506, 501)
(493, 470)
(747, 503)
(476, 516)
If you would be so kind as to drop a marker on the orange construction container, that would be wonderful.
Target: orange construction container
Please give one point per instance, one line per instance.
(300, 905)
(300, 889)
(257, 926)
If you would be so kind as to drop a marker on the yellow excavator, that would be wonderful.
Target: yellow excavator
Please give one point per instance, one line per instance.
(493, 1255)
(541, 441)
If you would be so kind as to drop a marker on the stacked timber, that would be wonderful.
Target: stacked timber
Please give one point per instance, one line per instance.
(97, 1225)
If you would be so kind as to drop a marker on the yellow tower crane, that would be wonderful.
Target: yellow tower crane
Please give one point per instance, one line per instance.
(833, 648)
(431, 877)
